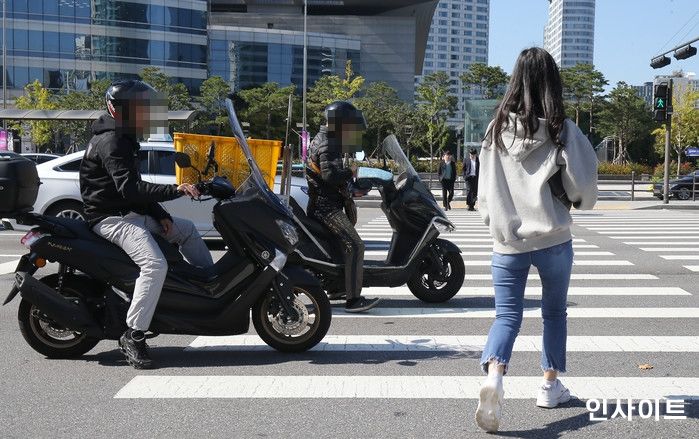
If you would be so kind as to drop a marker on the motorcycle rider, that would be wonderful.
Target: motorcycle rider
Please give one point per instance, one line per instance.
(124, 209)
(330, 192)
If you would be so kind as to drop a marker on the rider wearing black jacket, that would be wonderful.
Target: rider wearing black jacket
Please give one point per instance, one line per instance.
(124, 209)
(330, 199)
(110, 183)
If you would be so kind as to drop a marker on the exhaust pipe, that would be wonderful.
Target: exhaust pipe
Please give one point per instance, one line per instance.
(70, 313)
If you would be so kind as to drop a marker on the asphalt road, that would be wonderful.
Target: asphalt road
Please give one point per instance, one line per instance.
(633, 301)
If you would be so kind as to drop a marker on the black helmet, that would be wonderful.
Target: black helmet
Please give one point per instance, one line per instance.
(121, 94)
(346, 125)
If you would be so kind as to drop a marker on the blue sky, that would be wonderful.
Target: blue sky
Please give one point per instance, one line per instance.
(628, 33)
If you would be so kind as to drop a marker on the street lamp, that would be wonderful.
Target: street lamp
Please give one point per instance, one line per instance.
(408, 130)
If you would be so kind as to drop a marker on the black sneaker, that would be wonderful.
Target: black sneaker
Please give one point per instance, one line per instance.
(361, 304)
(133, 345)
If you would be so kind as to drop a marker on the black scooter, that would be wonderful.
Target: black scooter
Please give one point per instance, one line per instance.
(432, 268)
(66, 314)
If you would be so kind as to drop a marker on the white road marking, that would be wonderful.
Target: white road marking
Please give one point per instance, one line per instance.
(680, 257)
(396, 387)
(660, 243)
(8, 267)
(489, 313)
(579, 276)
(692, 267)
(663, 237)
(669, 249)
(576, 262)
(485, 253)
(693, 233)
(457, 343)
(536, 291)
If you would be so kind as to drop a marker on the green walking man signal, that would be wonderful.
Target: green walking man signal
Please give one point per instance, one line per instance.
(662, 99)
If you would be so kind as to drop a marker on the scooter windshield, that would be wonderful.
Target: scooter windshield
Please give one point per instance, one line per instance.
(254, 182)
(405, 169)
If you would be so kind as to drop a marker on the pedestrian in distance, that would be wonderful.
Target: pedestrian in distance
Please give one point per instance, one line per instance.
(535, 165)
(447, 177)
(471, 171)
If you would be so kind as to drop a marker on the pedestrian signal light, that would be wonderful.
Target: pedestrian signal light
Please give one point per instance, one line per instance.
(685, 52)
(662, 99)
(659, 62)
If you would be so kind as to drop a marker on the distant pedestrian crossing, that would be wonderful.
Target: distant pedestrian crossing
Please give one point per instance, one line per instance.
(668, 235)
(608, 291)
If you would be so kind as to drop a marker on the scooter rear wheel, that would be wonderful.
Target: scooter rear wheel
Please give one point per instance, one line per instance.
(48, 338)
(437, 288)
(293, 335)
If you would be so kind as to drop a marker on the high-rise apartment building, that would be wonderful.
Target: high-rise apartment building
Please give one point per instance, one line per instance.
(569, 35)
(458, 37)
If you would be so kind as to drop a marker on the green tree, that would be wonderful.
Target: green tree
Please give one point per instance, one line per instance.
(211, 106)
(488, 79)
(176, 92)
(435, 105)
(267, 109)
(625, 117)
(93, 99)
(378, 103)
(36, 97)
(328, 89)
(581, 83)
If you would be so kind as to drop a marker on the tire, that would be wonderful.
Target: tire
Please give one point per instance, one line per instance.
(34, 330)
(433, 289)
(67, 209)
(683, 194)
(267, 320)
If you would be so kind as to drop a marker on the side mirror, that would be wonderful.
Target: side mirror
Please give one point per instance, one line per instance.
(183, 160)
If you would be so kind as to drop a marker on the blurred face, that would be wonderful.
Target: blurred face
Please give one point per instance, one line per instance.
(473, 156)
(447, 157)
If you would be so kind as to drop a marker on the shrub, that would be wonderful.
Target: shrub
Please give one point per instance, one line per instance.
(606, 168)
(685, 168)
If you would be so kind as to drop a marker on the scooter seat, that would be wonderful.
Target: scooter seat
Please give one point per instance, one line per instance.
(72, 228)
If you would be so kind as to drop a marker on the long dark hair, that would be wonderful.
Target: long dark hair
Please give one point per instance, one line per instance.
(535, 91)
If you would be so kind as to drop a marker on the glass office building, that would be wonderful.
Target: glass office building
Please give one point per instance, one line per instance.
(569, 35)
(247, 57)
(67, 43)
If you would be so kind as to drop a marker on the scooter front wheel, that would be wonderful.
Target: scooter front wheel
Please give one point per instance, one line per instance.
(433, 285)
(298, 333)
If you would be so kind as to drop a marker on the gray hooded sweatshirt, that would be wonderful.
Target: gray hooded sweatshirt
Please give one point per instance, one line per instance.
(515, 199)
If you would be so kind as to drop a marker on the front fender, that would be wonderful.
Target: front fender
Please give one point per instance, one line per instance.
(298, 276)
(448, 246)
(25, 265)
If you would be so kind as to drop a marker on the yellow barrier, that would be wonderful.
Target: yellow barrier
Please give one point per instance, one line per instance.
(229, 156)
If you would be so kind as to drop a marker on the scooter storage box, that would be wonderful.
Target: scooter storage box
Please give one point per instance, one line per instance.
(19, 185)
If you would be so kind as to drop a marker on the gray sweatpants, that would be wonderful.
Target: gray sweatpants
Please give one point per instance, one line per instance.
(133, 233)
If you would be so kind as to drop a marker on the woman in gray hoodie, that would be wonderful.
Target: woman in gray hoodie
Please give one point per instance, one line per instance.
(529, 146)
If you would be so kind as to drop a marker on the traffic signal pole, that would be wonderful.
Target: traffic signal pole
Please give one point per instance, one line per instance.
(666, 174)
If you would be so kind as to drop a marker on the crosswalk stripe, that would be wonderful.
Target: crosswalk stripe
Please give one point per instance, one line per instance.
(579, 276)
(489, 313)
(660, 243)
(536, 291)
(669, 249)
(576, 262)
(680, 257)
(8, 267)
(395, 387)
(457, 343)
(662, 237)
(485, 253)
(692, 267)
(693, 234)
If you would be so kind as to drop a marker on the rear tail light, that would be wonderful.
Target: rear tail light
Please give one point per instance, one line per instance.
(30, 238)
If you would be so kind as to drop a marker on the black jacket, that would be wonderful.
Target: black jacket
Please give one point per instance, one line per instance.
(467, 167)
(110, 183)
(328, 179)
(442, 170)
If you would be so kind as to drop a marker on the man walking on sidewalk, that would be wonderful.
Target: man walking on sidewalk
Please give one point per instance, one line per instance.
(472, 168)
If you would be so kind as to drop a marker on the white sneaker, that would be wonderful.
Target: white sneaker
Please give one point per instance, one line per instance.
(489, 411)
(551, 396)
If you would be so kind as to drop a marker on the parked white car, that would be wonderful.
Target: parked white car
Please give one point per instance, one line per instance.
(59, 193)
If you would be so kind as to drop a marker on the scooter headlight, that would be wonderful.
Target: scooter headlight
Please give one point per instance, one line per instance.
(289, 232)
(444, 226)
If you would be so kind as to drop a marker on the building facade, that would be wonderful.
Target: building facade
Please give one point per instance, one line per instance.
(65, 44)
(255, 41)
(458, 37)
(569, 35)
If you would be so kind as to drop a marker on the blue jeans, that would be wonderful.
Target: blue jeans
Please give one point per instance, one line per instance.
(509, 279)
